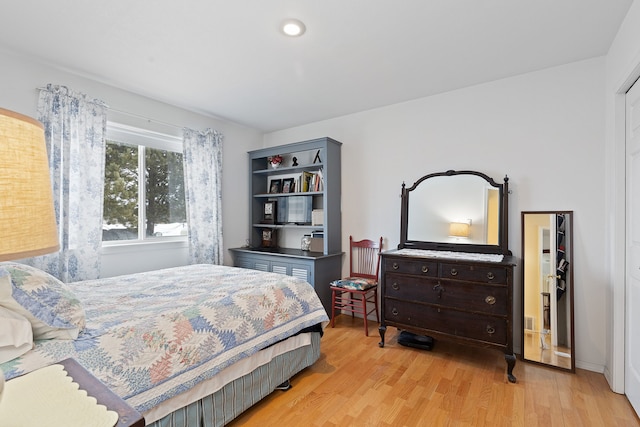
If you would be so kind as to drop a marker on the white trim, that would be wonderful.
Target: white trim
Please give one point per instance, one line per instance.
(149, 240)
(614, 372)
(142, 138)
(134, 135)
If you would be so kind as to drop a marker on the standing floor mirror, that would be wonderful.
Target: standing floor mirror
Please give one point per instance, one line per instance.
(547, 296)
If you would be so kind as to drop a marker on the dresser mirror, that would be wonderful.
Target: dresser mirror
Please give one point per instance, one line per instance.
(462, 211)
(547, 277)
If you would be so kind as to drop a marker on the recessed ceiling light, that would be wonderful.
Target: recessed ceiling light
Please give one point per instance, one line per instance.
(293, 27)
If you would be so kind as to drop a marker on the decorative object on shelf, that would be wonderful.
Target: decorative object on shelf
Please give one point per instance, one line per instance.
(305, 242)
(295, 162)
(276, 185)
(317, 217)
(317, 244)
(269, 238)
(275, 161)
(270, 212)
(288, 185)
(317, 158)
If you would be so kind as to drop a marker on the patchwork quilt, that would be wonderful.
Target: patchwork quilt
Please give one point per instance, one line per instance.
(150, 336)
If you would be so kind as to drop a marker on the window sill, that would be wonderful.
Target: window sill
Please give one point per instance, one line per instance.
(123, 246)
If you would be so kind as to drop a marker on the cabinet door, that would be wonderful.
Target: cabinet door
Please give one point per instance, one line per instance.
(260, 265)
(252, 263)
(301, 272)
(280, 267)
(244, 262)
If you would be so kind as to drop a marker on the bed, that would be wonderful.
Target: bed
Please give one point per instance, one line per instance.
(193, 345)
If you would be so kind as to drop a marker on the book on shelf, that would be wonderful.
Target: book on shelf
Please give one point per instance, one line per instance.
(319, 180)
(310, 181)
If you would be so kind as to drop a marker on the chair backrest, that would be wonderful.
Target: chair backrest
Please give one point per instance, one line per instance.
(364, 258)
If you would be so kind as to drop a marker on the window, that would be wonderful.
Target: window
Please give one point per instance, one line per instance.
(162, 213)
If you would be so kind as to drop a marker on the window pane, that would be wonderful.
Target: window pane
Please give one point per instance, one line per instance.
(164, 200)
(120, 217)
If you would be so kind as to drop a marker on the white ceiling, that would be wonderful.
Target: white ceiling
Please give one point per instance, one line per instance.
(227, 58)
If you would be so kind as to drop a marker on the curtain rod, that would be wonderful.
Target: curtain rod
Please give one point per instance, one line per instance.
(148, 119)
(139, 116)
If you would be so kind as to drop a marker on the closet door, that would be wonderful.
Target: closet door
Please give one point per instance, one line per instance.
(632, 309)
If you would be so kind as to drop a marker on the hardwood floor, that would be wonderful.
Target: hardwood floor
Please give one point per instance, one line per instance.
(357, 383)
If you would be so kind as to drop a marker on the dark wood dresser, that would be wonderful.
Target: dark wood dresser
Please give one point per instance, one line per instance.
(462, 299)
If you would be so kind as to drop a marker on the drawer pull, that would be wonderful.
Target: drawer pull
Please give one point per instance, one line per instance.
(490, 300)
(395, 266)
(490, 276)
(425, 269)
(438, 288)
(394, 311)
(454, 272)
(395, 286)
(491, 330)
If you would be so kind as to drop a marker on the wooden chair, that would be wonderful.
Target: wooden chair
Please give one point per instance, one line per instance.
(351, 294)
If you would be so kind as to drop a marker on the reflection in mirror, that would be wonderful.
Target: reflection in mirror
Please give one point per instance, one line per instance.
(547, 306)
(461, 209)
(464, 211)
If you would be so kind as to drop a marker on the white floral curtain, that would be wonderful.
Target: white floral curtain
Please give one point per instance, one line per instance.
(75, 127)
(203, 181)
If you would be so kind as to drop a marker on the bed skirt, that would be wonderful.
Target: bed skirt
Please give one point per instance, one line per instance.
(234, 398)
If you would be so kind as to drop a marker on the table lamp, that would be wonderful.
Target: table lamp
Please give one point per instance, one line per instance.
(459, 229)
(27, 220)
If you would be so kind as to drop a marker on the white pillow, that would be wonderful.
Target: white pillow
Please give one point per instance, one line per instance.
(49, 305)
(16, 337)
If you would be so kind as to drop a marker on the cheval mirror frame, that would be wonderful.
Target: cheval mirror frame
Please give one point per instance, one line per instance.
(547, 289)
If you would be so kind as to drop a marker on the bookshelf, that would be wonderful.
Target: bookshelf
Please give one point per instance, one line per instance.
(300, 197)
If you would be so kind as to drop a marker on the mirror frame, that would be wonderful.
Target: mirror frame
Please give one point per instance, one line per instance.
(503, 236)
(569, 258)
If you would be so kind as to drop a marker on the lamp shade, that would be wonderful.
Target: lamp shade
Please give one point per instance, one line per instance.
(27, 221)
(459, 229)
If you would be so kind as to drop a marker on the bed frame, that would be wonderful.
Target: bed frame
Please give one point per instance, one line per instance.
(226, 404)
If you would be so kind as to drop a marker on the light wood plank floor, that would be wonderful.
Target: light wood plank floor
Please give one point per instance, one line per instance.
(357, 383)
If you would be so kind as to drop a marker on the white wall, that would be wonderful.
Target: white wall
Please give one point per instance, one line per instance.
(21, 77)
(545, 130)
(623, 68)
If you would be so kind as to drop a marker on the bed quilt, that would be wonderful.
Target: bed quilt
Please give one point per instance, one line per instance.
(150, 336)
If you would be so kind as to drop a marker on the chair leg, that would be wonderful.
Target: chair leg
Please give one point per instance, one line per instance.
(352, 298)
(333, 308)
(364, 314)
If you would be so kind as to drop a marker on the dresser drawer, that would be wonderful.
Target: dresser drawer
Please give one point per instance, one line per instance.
(473, 273)
(457, 323)
(412, 266)
(464, 296)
